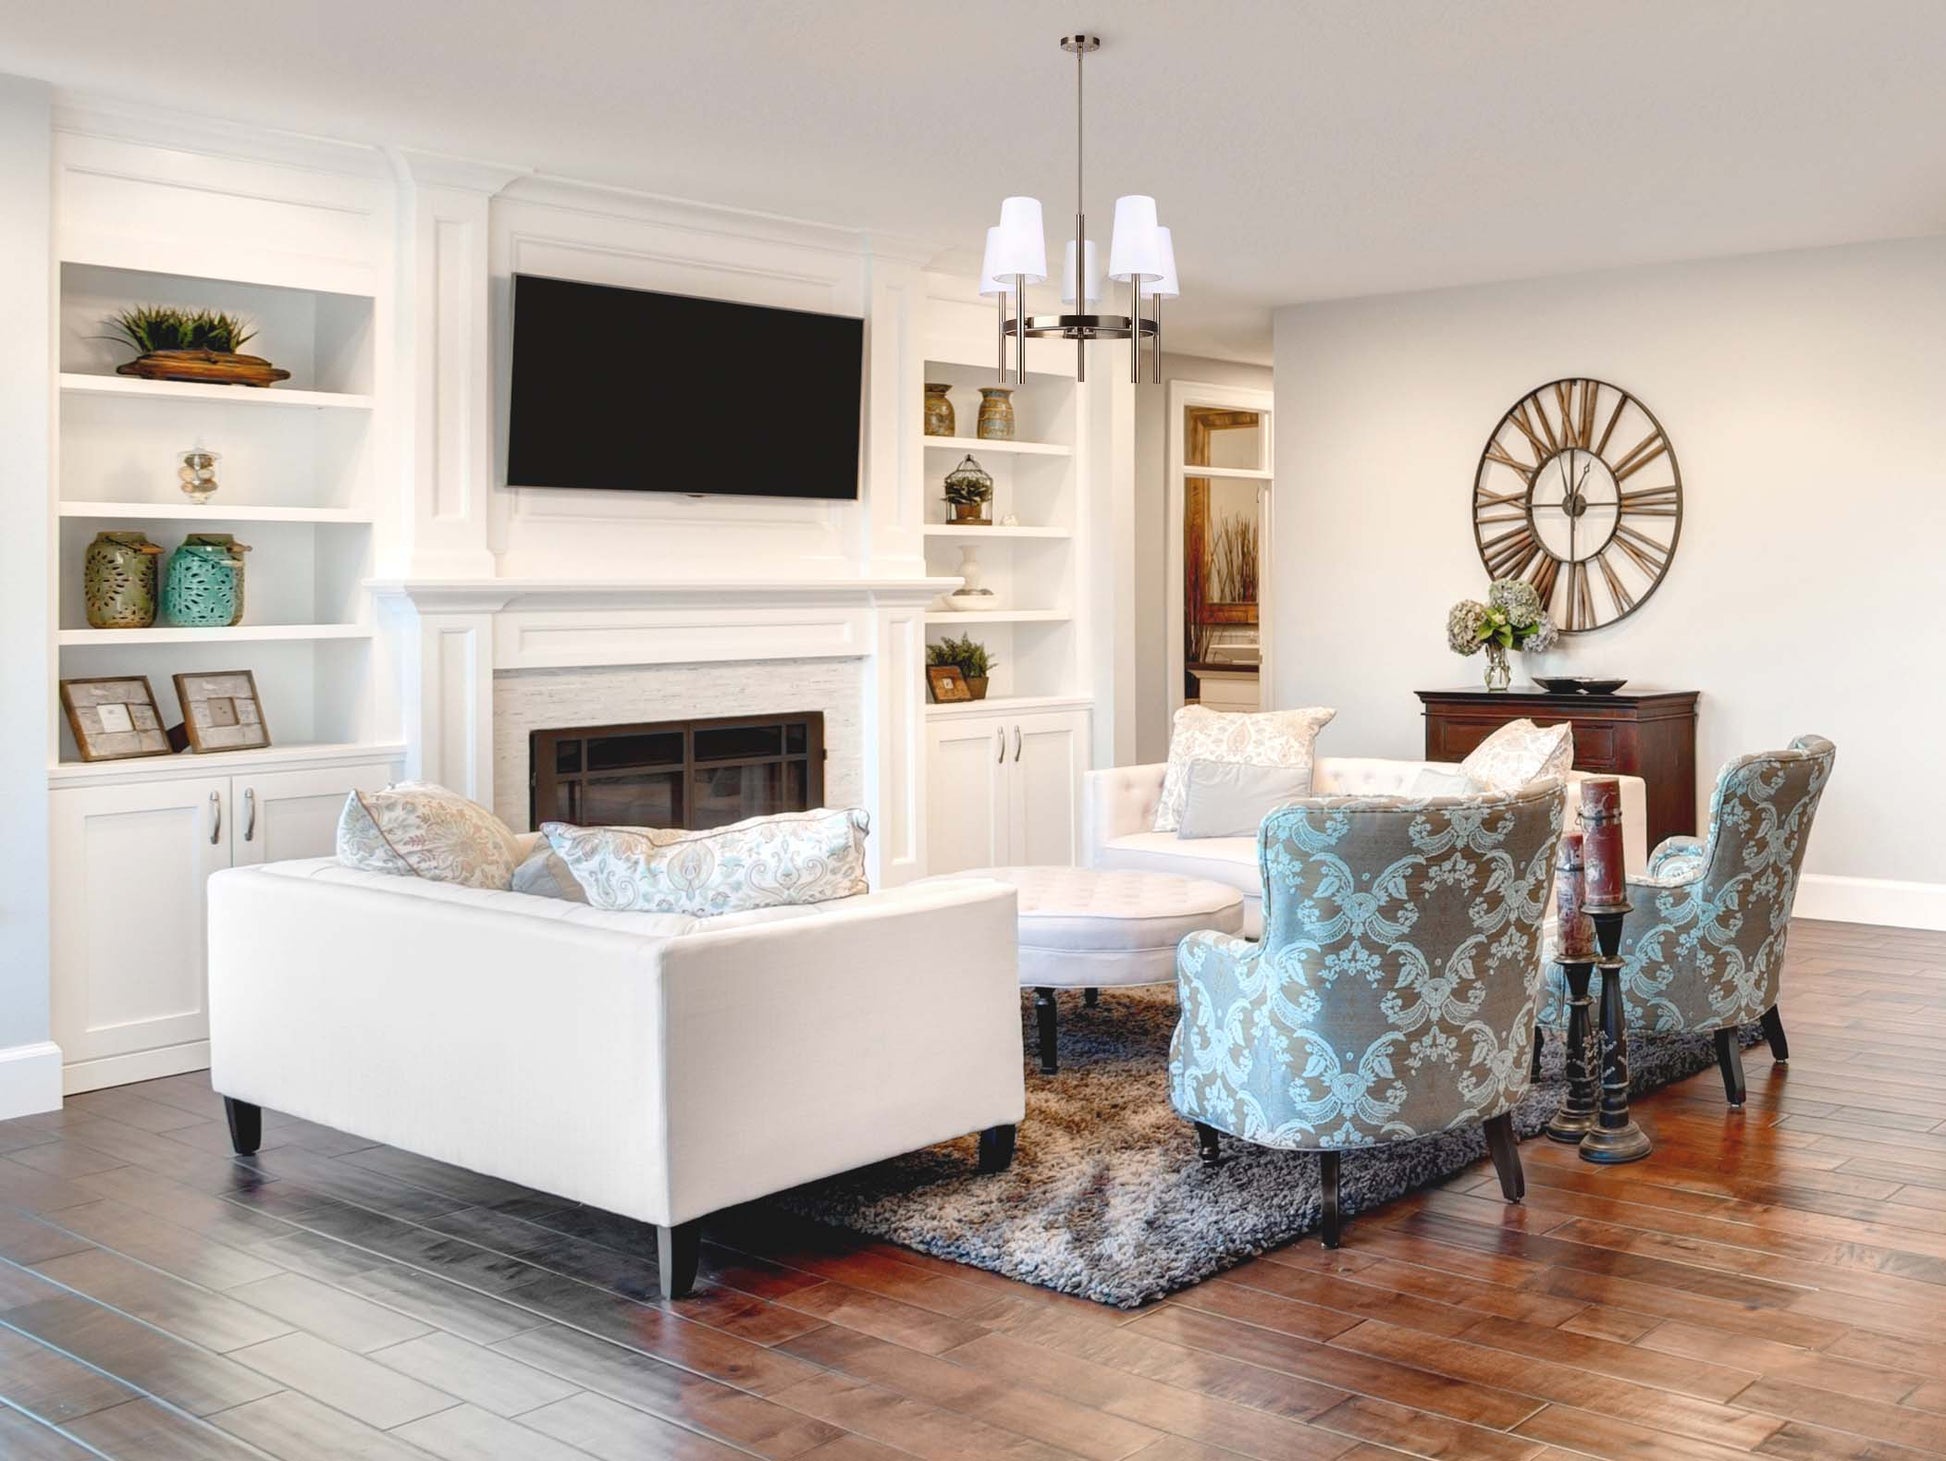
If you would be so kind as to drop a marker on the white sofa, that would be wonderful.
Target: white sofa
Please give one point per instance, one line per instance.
(657, 1066)
(1118, 809)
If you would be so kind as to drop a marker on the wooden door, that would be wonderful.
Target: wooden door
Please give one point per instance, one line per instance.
(966, 793)
(1046, 756)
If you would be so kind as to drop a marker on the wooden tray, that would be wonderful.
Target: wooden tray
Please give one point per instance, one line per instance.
(208, 366)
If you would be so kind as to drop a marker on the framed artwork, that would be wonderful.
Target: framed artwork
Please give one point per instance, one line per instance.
(114, 717)
(948, 684)
(220, 711)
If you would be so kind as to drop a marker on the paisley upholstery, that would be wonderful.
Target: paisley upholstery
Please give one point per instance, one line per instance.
(1393, 993)
(1704, 943)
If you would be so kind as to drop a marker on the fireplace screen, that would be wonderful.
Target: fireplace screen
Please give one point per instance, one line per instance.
(677, 773)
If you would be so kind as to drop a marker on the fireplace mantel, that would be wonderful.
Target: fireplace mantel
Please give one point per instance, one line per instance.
(495, 595)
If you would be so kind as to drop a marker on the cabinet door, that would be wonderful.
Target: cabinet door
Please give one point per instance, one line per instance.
(130, 864)
(281, 815)
(966, 793)
(1046, 755)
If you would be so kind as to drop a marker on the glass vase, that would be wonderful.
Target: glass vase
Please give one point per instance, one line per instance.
(1499, 676)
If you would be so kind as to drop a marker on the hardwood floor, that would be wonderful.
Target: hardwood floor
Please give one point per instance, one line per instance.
(1770, 1282)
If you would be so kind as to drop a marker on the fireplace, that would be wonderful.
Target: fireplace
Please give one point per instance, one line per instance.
(677, 773)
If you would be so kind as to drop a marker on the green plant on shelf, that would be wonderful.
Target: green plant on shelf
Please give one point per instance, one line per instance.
(153, 327)
(966, 653)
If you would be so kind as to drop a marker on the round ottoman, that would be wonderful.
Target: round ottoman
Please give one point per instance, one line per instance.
(1091, 930)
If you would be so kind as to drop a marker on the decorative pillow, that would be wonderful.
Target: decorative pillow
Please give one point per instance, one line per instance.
(764, 862)
(1227, 800)
(417, 829)
(544, 875)
(1520, 752)
(1444, 783)
(1282, 738)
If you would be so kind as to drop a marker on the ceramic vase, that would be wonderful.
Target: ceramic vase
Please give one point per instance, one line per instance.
(118, 581)
(204, 585)
(940, 420)
(996, 413)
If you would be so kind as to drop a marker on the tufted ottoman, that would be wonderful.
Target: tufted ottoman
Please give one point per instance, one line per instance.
(1085, 929)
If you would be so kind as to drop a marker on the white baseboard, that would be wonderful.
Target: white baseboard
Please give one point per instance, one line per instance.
(30, 1079)
(142, 1065)
(1871, 900)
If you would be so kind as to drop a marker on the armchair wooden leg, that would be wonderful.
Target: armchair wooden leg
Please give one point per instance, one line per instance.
(1334, 1223)
(1780, 1048)
(246, 1125)
(1044, 1026)
(1091, 997)
(997, 1148)
(1506, 1156)
(677, 1251)
(1540, 1045)
(1206, 1146)
(1730, 1057)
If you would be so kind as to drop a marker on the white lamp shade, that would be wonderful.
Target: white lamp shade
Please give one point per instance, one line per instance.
(991, 281)
(1022, 245)
(1094, 274)
(1165, 286)
(1135, 250)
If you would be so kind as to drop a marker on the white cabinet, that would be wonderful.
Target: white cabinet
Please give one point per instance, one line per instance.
(1004, 789)
(130, 861)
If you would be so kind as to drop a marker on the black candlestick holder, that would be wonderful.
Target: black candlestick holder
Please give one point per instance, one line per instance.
(1575, 1117)
(1614, 1137)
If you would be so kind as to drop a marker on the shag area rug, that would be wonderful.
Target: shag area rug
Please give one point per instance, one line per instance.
(1106, 1197)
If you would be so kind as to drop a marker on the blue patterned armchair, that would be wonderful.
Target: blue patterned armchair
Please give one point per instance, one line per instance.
(1393, 993)
(1703, 946)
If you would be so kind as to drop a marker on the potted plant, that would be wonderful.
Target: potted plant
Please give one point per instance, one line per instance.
(1511, 618)
(966, 655)
(968, 491)
(193, 345)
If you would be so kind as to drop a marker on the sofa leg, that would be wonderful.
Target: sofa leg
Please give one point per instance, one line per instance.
(1334, 1223)
(1044, 1025)
(677, 1251)
(1730, 1057)
(997, 1148)
(1206, 1146)
(1540, 1045)
(1780, 1048)
(1506, 1156)
(1091, 997)
(246, 1126)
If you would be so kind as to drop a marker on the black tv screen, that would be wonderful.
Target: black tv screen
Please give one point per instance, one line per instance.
(633, 391)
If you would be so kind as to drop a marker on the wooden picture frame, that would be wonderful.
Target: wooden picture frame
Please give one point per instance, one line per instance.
(114, 717)
(221, 711)
(948, 685)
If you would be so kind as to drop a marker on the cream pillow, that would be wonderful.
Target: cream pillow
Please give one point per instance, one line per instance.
(417, 829)
(1520, 752)
(1282, 738)
(544, 875)
(764, 862)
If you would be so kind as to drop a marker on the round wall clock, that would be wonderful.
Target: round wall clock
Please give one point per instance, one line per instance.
(1578, 492)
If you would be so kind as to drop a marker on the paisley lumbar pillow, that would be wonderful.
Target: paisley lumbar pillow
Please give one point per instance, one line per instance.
(1520, 752)
(1282, 738)
(418, 829)
(763, 862)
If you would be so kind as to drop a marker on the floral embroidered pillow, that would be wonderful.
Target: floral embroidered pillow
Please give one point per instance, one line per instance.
(764, 862)
(417, 829)
(1282, 738)
(1520, 752)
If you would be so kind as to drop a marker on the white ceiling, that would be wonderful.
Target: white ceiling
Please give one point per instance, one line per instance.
(1301, 149)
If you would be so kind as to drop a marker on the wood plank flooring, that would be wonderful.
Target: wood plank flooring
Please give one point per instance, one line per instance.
(1771, 1283)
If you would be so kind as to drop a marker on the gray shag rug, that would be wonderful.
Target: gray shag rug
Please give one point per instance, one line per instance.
(1106, 1198)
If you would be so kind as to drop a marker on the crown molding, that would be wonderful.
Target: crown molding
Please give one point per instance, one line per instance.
(97, 116)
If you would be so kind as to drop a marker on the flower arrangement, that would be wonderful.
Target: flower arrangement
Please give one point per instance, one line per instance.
(1511, 618)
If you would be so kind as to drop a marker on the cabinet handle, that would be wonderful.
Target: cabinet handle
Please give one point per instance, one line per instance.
(215, 818)
(1000, 750)
(1016, 743)
(249, 813)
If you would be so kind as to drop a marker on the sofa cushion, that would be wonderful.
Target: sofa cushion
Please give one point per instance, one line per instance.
(1521, 752)
(417, 829)
(1285, 738)
(1439, 781)
(1223, 799)
(763, 862)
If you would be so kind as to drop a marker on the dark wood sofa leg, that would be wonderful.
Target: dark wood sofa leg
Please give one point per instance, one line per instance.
(1206, 1146)
(997, 1148)
(1044, 1024)
(246, 1126)
(1780, 1048)
(1334, 1223)
(677, 1251)
(1503, 1146)
(1730, 1057)
(1540, 1046)
(1091, 997)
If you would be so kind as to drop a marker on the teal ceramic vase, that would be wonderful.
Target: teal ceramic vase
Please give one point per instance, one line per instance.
(204, 585)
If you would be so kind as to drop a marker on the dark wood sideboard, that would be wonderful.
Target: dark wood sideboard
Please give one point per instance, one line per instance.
(1645, 733)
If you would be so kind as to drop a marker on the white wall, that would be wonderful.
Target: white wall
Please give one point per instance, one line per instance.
(1804, 394)
(1152, 697)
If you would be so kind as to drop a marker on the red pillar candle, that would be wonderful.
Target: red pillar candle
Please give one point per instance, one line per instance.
(1576, 938)
(1603, 878)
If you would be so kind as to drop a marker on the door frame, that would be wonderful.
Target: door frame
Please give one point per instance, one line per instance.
(1182, 395)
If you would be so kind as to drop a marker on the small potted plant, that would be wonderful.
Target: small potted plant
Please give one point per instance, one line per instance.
(192, 345)
(968, 656)
(968, 491)
(1511, 618)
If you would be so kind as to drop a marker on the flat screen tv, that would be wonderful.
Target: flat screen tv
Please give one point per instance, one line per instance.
(629, 390)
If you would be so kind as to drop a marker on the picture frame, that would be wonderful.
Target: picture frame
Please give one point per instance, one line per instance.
(948, 685)
(221, 711)
(114, 717)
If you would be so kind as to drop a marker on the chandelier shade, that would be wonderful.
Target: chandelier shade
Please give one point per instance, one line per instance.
(1093, 274)
(992, 281)
(1022, 244)
(1165, 286)
(1135, 248)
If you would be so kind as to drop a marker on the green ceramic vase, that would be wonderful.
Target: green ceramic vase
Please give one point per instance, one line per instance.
(118, 581)
(204, 586)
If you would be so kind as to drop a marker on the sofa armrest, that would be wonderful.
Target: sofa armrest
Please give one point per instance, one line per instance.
(1118, 802)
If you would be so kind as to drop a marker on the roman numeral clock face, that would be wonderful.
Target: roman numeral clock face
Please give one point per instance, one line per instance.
(1578, 493)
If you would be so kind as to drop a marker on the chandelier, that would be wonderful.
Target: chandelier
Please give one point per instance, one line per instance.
(1140, 254)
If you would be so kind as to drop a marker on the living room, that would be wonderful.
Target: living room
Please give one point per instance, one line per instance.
(1105, 733)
